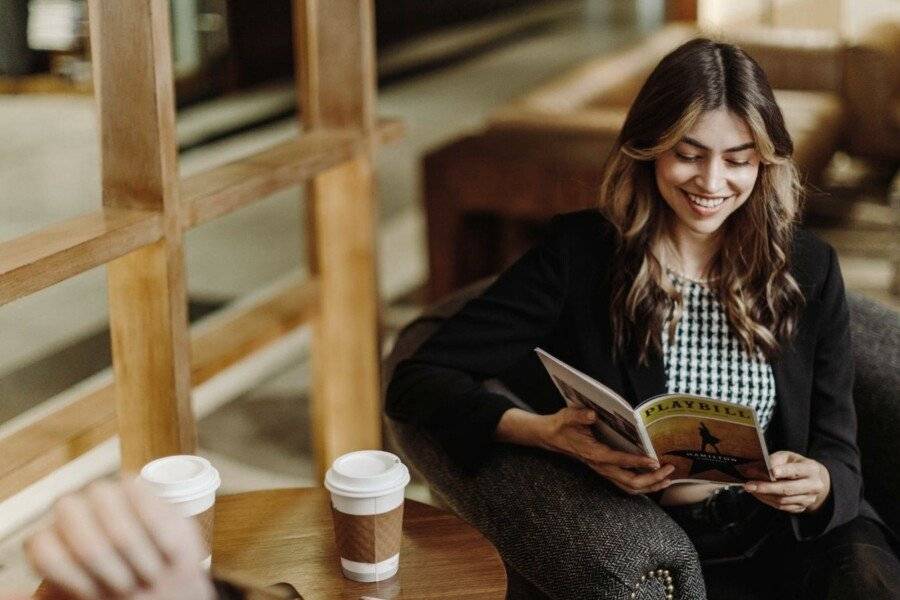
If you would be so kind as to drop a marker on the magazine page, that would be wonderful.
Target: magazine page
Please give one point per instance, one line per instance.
(706, 439)
(616, 424)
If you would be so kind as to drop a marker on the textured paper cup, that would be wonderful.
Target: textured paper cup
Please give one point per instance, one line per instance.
(367, 506)
(189, 484)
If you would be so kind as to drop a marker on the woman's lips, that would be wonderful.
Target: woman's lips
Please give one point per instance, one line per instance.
(704, 206)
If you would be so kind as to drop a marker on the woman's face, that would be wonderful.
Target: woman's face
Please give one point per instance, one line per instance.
(710, 173)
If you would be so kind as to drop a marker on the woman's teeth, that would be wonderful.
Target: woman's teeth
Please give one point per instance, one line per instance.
(706, 202)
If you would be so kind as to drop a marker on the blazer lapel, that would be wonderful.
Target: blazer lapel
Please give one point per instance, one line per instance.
(646, 380)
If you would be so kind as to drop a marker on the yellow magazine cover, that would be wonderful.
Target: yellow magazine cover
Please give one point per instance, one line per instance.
(706, 439)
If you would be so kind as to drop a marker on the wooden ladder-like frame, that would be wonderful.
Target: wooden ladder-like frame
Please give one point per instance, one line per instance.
(139, 235)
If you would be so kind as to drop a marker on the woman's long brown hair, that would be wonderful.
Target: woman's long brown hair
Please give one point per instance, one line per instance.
(751, 271)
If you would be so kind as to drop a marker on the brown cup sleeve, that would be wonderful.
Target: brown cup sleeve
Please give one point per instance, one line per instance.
(368, 538)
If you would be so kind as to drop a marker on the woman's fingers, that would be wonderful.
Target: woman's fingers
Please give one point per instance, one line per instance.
(625, 459)
(601, 453)
(127, 535)
(801, 483)
(802, 500)
(795, 470)
(589, 449)
(793, 487)
(583, 416)
(782, 501)
(634, 483)
(52, 561)
(78, 529)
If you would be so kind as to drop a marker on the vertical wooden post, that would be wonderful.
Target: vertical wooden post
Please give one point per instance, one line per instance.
(131, 47)
(335, 58)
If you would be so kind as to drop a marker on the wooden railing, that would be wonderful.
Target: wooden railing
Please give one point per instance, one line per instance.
(139, 234)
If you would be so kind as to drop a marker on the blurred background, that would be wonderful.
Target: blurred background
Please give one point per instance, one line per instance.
(509, 106)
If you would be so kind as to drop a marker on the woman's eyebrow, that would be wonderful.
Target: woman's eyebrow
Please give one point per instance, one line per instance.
(697, 144)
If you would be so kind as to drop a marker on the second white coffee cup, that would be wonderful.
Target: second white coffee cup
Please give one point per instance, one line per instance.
(367, 505)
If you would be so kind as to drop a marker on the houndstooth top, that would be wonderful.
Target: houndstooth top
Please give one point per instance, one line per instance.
(706, 357)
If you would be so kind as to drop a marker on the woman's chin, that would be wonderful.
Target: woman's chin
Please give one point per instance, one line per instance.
(700, 227)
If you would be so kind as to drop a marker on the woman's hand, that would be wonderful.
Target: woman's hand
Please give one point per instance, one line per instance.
(119, 541)
(802, 484)
(569, 432)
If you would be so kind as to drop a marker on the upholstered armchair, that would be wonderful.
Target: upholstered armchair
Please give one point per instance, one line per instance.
(563, 532)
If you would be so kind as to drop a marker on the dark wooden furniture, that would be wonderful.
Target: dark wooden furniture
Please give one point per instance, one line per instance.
(488, 195)
(286, 535)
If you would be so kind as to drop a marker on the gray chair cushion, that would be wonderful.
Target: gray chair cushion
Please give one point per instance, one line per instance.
(875, 330)
(561, 527)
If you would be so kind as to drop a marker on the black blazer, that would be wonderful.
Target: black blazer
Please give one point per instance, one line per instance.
(557, 296)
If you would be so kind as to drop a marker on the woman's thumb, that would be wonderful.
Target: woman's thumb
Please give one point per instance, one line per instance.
(585, 416)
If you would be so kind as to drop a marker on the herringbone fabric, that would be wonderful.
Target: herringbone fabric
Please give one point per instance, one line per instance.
(561, 527)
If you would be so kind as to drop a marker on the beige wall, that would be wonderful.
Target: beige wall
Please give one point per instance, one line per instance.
(849, 17)
(715, 14)
(861, 15)
(812, 14)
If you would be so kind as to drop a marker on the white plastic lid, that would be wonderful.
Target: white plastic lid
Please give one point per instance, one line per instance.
(181, 478)
(366, 473)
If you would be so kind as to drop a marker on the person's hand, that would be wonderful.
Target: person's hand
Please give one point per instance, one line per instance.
(802, 484)
(119, 541)
(569, 432)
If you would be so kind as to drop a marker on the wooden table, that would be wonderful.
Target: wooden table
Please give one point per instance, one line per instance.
(287, 535)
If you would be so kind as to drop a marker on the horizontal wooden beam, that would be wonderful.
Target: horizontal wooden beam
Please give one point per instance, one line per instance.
(38, 260)
(221, 190)
(35, 451)
(224, 189)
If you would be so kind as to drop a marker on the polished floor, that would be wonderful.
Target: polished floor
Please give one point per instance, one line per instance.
(48, 171)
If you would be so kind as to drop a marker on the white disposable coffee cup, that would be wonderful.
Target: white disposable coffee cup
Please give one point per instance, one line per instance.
(188, 483)
(367, 505)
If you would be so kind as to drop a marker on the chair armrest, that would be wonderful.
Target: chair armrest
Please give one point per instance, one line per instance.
(559, 525)
(875, 331)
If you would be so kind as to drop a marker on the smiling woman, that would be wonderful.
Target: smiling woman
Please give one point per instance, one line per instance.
(692, 277)
(705, 135)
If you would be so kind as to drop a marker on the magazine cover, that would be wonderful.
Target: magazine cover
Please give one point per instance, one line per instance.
(705, 439)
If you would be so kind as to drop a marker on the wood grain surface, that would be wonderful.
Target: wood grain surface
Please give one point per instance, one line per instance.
(334, 56)
(287, 535)
(38, 260)
(139, 168)
(221, 190)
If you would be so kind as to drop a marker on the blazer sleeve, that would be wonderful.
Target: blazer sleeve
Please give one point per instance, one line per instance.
(832, 437)
(440, 387)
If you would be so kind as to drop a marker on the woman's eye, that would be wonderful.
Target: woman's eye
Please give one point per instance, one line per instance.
(687, 158)
(738, 163)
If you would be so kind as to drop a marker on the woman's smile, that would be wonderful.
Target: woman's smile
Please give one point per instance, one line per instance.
(705, 206)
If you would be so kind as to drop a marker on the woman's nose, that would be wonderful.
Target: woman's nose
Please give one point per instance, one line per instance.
(711, 178)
